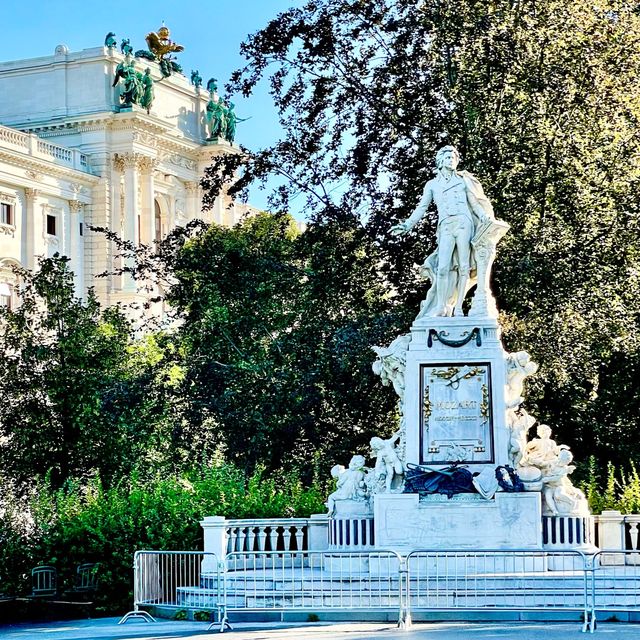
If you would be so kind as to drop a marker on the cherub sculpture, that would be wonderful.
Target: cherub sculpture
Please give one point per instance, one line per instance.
(388, 465)
(560, 496)
(350, 483)
(519, 367)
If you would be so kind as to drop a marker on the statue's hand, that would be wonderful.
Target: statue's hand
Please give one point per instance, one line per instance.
(399, 229)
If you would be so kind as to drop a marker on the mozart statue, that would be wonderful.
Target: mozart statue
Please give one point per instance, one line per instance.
(463, 210)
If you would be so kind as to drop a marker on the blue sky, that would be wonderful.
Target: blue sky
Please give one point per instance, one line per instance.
(211, 33)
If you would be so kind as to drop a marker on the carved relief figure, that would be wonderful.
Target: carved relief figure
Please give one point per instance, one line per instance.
(350, 482)
(519, 367)
(388, 465)
(560, 496)
(462, 209)
(391, 363)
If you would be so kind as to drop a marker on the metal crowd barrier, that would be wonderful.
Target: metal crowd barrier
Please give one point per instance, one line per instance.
(498, 580)
(615, 582)
(180, 580)
(314, 581)
(425, 580)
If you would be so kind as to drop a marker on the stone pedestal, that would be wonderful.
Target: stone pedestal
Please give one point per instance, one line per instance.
(404, 523)
(454, 403)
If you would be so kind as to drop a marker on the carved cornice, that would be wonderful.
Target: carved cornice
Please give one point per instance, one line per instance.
(178, 160)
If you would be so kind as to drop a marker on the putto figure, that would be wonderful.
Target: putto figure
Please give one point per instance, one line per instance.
(462, 209)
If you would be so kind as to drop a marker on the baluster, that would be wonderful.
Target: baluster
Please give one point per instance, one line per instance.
(634, 558)
(299, 533)
(251, 538)
(231, 534)
(286, 538)
(262, 537)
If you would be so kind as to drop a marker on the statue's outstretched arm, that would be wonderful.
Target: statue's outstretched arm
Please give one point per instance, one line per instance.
(418, 213)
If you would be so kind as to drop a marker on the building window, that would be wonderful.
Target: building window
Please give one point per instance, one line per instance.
(6, 213)
(158, 221)
(6, 295)
(81, 229)
(51, 225)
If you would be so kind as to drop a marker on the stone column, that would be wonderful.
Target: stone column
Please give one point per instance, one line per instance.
(146, 166)
(117, 217)
(75, 245)
(33, 231)
(193, 201)
(129, 162)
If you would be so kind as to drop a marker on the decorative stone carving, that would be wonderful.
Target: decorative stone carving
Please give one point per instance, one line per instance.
(350, 483)
(391, 362)
(519, 423)
(519, 366)
(75, 206)
(388, 470)
(466, 224)
(561, 498)
(146, 164)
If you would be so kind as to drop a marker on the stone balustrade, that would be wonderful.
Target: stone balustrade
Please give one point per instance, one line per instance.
(265, 534)
(619, 532)
(36, 147)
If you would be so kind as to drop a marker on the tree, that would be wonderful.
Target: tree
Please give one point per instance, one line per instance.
(540, 97)
(77, 397)
(276, 332)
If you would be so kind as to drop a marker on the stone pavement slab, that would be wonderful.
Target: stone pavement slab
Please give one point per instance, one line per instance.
(108, 629)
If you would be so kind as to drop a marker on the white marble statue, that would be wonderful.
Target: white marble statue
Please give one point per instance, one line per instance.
(519, 423)
(541, 451)
(519, 367)
(388, 465)
(560, 496)
(463, 212)
(391, 363)
(350, 482)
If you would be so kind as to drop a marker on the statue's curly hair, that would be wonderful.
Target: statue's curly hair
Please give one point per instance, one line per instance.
(441, 153)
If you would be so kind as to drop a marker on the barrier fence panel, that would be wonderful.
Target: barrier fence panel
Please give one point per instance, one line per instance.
(188, 580)
(615, 581)
(498, 580)
(313, 581)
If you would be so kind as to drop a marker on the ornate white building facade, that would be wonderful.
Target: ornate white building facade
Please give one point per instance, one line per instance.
(72, 157)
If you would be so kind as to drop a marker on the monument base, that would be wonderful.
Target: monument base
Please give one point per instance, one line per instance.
(404, 523)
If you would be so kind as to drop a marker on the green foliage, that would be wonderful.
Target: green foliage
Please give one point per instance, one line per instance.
(203, 616)
(621, 490)
(276, 334)
(542, 100)
(86, 522)
(181, 614)
(72, 385)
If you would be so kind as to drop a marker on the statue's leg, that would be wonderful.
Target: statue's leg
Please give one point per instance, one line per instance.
(446, 246)
(463, 246)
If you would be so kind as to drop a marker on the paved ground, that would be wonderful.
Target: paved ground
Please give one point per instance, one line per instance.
(108, 629)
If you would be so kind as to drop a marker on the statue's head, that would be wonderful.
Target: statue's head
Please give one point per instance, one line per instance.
(376, 443)
(447, 155)
(544, 431)
(357, 462)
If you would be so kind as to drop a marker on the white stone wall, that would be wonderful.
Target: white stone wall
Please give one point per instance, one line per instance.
(70, 153)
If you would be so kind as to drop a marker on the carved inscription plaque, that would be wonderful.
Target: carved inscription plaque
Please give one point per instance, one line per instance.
(455, 420)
